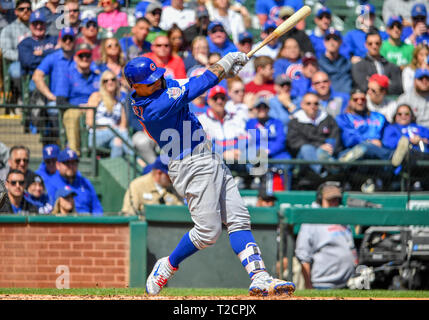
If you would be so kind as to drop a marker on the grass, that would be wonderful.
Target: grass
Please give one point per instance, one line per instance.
(217, 292)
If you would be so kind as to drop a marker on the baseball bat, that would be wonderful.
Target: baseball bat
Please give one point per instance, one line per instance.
(284, 27)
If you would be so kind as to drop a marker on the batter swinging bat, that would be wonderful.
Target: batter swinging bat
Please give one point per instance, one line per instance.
(284, 27)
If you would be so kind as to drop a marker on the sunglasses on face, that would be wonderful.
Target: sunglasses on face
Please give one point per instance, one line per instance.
(50, 161)
(246, 41)
(107, 80)
(156, 12)
(325, 15)
(91, 24)
(18, 161)
(423, 78)
(166, 45)
(217, 30)
(419, 19)
(377, 43)
(311, 103)
(15, 182)
(84, 56)
(71, 163)
(22, 9)
(74, 10)
(359, 99)
(336, 38)
(397, 25)
(320, 82)
(220, 96)
(67, 38)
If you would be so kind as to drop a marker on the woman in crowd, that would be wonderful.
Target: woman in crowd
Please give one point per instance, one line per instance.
(111, 17)
(236, 95)
(65, 201)
(199, 56)
(419, 61)
(109, 112)
(288, 60)
(177, 40)
(36, 195)
(112, 57)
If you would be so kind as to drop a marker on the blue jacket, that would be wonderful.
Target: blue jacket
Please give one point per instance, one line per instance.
(276, 137)
(41, 203)
(26, 47)
(339, 72)
(227, 47)
(395, 131)
(48, 180)
(86, 200)
(169, 109)
(356, 128)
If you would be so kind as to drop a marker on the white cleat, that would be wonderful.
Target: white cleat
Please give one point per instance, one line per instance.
(161, 273)
(263, 285)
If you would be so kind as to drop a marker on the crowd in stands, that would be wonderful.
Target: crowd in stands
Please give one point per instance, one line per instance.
(314, 94)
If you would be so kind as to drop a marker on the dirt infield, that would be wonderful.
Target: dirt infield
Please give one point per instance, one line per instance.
(145, 297)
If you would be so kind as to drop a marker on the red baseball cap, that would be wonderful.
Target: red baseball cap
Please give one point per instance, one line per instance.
(381, 79)
(216, 90)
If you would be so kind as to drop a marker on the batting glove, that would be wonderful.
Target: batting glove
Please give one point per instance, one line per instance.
(233, 62)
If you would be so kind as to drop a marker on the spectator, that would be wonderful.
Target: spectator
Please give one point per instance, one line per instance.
(109, 112)
(393, 49)
(199, 56)
(313, 134)
(419, 27)
(265, 199)
(37, 196)
(326, 251)
(236, 102)
(155, 187)
(362, 130)
(419, 61)
(331, 101)
(373, 63)
(65, 203)
(232, 21)
(71, 16)
(301, 85)
(355, 39)
(136, 44)
(10, 37)
(15, 202)
(245, 43)
(68, 175)
(376, 96)
(269, 9)
(226, 130)
(89, 31)
(19, 158)
(33, 49)
(262, 84)
(111, 17)
(218, 39)
(266, 134)
(337, 66)
(55, 66)
(288, 61)
(271, 49)
(77, 86)
(4, 154)
(299, 35)
(176, 14)
(51, 10)
(281, 105)
(153, 15)
(112, 57)
(417, 99)
(177, 40)
(161, 54)
(399, 8)
(200, 27)
(48, 166)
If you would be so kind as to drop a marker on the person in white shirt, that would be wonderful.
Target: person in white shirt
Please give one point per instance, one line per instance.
(177, 14)
(236, 93)
(273, 47)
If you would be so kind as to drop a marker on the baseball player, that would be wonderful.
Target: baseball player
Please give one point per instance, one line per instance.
(198, 174)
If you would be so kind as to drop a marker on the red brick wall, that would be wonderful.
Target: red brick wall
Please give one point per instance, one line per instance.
(97, 255)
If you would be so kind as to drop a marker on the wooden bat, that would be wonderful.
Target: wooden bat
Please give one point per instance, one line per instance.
(284, 27)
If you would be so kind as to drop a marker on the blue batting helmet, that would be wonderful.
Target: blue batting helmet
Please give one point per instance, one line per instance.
(142, 70)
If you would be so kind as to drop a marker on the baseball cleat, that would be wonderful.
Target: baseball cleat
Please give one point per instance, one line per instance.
(161, 273)
(263, 285)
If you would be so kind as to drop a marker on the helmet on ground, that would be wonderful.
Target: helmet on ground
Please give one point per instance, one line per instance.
(142, 70)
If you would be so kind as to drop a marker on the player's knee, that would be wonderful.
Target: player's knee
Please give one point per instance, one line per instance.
(208, 237)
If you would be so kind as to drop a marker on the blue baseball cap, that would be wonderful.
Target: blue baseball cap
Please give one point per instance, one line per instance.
(142, 70)
(367, 8)
(270, 24)
(51, 151)
(394, 19)
(67, 32)
(161, 163)
(420, 73)
(67, 155)
(37, 16)
(323, 10)
(334, 33)
(85, 21)
(245, 36)
(419, 9)
(214, 24)
(65, 192)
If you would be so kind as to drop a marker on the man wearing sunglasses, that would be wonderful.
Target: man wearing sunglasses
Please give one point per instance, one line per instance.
(15, 203)
(218, 39)
(10, 37)
(19, 158)
(89, 35)
(48, 167)
(420, 30)
(69, 18)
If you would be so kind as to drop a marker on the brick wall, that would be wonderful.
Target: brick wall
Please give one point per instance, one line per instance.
(96, 255)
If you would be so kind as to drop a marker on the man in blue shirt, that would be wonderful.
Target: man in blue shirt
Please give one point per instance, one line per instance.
(337, 66)
(218, 39)
(48, 167)
(269, 9)
(76, 87)
(136, 45)
(86, 199)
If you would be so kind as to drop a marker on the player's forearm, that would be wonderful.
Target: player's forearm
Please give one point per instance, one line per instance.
(218, 70)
